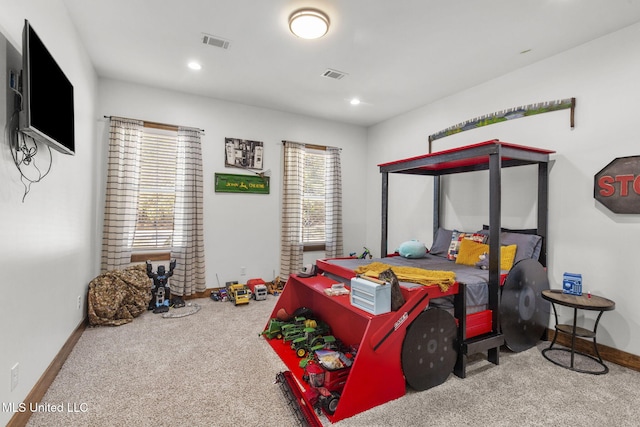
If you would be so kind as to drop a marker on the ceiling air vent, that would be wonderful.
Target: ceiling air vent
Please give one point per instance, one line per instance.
(333, 74)
(215, 41)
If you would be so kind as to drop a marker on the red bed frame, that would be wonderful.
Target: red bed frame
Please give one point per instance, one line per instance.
(376, 375)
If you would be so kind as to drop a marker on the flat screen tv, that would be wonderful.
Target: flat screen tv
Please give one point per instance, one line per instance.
(47, 113)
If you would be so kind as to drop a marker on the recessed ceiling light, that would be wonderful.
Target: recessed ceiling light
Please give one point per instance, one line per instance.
(194, 65)
(309, 23)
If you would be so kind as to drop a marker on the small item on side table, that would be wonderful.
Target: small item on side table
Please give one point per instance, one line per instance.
(572, 284)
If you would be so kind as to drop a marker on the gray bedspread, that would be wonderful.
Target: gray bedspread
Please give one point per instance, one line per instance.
(474, 278)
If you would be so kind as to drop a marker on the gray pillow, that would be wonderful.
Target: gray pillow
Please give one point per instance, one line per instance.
(441, 242)
(528, 245)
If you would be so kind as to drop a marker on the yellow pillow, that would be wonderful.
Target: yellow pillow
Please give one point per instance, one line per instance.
(469, 252)
(507, 256)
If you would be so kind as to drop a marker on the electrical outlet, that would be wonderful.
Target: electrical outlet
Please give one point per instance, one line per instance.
(79, 302)
(243, 271)
(14, 376)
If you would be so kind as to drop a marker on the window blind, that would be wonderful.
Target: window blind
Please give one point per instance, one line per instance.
(313, 197)
(156, 191)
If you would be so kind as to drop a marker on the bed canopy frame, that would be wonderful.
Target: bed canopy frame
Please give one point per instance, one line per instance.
(493, 155)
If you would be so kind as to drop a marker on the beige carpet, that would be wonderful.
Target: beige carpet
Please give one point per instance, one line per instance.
(213, 369)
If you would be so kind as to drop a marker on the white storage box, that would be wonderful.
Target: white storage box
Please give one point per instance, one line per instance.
(369, 296)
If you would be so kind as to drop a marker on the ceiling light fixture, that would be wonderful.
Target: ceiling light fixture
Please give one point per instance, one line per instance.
(194, 65)
(309, 23)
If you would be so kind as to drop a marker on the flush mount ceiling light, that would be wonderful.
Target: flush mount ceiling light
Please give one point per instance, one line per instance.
(309, 23)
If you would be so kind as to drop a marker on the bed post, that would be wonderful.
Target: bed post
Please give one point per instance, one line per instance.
(495, 190)
(543, 208)
(385, 213)
(436, 205)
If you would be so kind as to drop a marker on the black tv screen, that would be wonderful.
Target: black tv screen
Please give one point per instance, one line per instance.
(47, 113)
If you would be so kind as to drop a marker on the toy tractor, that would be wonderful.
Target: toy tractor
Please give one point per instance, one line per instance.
(312, 341)
(325, 386)
(274, 329)
(295, 329)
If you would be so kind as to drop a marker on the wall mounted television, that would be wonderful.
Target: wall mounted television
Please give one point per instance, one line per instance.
(47, 113)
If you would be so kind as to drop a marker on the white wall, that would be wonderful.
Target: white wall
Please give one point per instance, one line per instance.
(48, 244)
(584, 237)
(243, 230)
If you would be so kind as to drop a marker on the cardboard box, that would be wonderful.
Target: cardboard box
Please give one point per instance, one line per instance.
(369, 296)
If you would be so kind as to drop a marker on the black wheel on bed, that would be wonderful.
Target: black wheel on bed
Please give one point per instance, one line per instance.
(429, 351)
(524, 314)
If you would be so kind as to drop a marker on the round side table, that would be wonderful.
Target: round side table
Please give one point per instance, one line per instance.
(582, 302)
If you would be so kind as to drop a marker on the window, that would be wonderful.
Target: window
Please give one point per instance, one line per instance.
(313, 200)
(153, 201)
(311, 204)
(156, 196)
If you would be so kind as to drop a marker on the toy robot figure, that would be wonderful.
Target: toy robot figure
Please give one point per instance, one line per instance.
(160, 291)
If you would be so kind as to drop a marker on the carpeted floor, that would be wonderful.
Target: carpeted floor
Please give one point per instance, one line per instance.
(213, 369)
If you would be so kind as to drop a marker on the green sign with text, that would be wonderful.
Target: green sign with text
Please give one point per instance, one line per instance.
(230, 183)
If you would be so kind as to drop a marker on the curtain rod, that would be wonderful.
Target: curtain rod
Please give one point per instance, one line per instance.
(312, 146)
(157, 124)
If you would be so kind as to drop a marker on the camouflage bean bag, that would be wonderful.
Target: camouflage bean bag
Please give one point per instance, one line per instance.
(118, 296)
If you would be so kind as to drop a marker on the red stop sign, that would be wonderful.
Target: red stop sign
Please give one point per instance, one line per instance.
(617, 185)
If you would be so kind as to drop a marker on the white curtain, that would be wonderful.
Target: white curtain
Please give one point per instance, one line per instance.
(188, 238)
(121, 205)
(333, 204)
(122, 193)
(291, 247)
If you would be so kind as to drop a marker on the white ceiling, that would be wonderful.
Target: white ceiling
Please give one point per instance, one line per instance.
(398, 55)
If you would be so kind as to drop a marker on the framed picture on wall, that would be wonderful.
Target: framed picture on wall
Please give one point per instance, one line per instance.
(243, 153)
